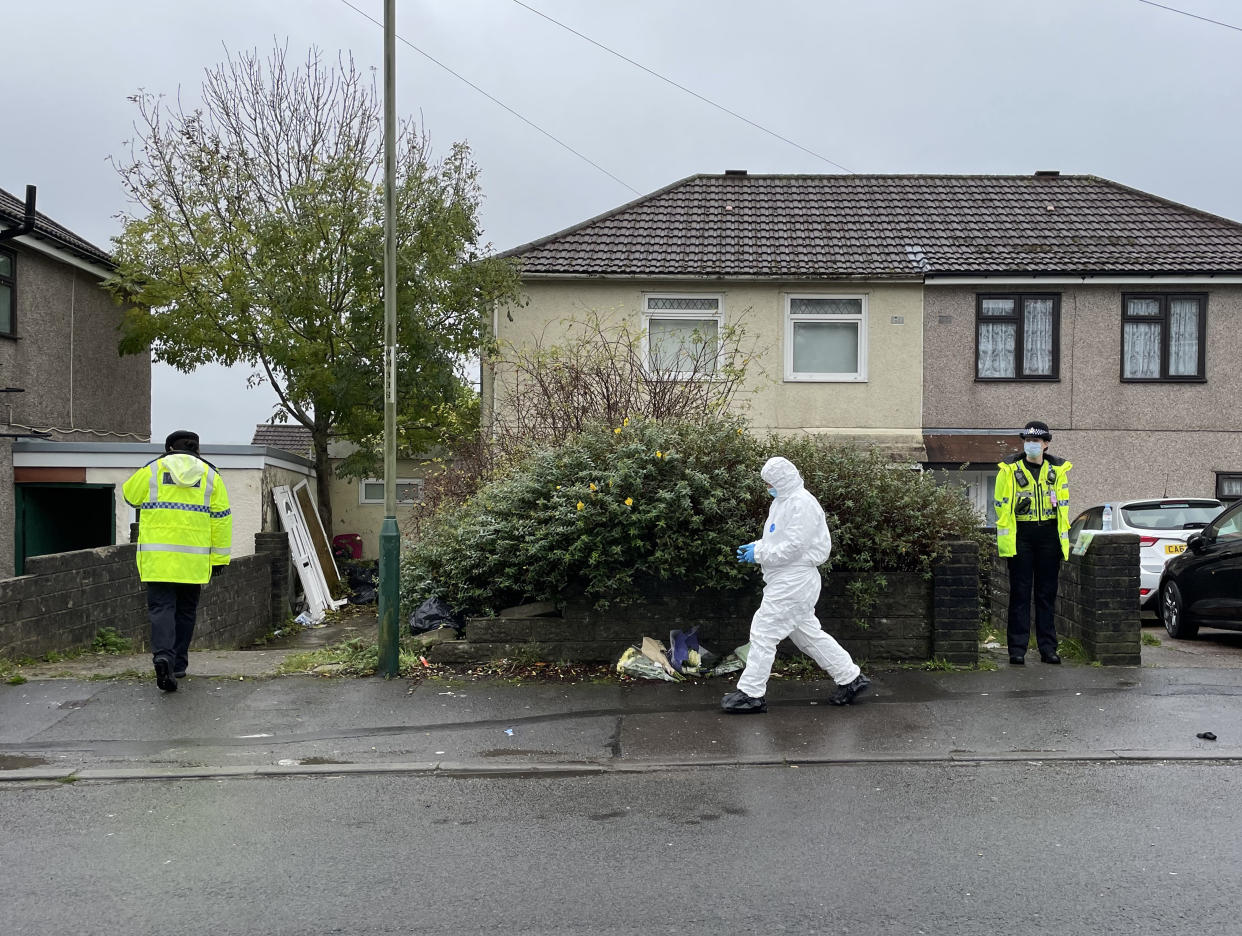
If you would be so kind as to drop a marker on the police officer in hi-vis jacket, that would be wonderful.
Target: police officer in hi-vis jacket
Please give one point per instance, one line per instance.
(1032, 532)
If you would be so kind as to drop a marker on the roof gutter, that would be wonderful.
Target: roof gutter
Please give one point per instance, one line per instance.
(27, 222)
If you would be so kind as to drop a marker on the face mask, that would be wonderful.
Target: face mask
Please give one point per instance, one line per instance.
(772, 491)
(1033, 449)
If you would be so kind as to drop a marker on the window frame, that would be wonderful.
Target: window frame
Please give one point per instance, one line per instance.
(10, 281)
(1222, 476)
(1164, 299)
(861, 319)
(364, 501)
(1019, 320)
(696, 315)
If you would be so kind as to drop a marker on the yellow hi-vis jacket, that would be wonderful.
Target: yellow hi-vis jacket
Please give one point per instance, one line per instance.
(185, 526)
(1045, 497)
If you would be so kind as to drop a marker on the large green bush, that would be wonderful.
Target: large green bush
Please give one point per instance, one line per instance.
(617, 510)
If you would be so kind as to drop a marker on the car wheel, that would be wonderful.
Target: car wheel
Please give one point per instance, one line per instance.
(1173, 612)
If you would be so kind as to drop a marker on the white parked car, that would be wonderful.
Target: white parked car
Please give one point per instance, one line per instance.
(1162, 524)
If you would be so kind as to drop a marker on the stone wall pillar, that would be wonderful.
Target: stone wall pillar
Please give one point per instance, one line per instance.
(275, 546)
(955, 604)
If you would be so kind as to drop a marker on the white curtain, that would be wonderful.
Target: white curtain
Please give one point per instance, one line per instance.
(1142, 340)
(1037, 338)
(996, 346)
(1183, 337)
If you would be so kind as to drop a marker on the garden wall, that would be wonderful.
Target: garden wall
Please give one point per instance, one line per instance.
(916, 619)
(1097, 599)
(65, 599)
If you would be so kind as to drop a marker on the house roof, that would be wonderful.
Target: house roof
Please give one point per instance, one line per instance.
(289, 438)
(889, 226)
(13, 212)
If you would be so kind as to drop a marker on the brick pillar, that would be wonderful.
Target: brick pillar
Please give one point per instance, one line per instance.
(1109, 619)
(955, 604)
(276, 547)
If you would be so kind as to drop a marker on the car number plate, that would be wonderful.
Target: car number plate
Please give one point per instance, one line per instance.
(1175, 547)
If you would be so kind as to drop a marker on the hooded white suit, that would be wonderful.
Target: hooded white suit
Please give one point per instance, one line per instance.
(795, 543)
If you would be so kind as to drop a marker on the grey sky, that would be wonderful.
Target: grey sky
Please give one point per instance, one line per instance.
(1116, 88)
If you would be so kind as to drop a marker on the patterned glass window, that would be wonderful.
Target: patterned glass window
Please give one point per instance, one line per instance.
(683, 335)
(825, 338)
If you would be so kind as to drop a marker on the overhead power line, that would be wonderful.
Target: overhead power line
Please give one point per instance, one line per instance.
(1191, 15)
(681, 87)
(529, 123)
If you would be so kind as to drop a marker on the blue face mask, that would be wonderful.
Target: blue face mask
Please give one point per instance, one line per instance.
(1033, 449)
(772, 491)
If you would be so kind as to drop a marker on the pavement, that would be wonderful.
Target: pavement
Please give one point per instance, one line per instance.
(102, 718)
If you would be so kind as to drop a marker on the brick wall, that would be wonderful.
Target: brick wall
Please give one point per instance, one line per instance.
(1097, 599)
(65, 599)
(915, 619)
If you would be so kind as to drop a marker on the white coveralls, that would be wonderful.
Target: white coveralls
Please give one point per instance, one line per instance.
(795, 542)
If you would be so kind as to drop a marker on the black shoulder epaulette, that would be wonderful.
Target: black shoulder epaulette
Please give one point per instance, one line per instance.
(1014, 459)
(1053, 460)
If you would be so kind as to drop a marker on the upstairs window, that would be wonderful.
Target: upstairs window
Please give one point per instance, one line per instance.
(1018, 337)
(683, 335)
(1162, 337)
(8, 280)
(826, 338)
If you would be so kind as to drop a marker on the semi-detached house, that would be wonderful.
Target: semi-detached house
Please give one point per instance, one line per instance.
(932, 315)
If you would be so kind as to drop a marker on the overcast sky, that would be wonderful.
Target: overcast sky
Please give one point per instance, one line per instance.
(1116, 88)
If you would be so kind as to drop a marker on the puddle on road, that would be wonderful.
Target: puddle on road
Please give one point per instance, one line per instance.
(18, 761)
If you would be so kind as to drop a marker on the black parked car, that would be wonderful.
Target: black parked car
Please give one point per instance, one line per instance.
(1202, 587)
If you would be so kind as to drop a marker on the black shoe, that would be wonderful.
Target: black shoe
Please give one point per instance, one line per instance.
(1049, 658)
(180, 674)
(164, 677)
(1016, 660)
(739, 703)
(846, 694)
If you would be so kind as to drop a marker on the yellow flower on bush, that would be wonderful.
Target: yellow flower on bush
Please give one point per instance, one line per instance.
(581, 505)
(629, 502)
(659, 454)
(593, 487)
(626, 421)
(617, 430)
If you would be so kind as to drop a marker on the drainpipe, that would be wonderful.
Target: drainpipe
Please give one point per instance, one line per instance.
(27, 223)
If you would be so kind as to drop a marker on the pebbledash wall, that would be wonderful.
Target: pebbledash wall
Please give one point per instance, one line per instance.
(1097, 599)
(916, 619)
(65, 599)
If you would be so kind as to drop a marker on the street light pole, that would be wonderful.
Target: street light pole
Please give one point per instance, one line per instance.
(390, 543)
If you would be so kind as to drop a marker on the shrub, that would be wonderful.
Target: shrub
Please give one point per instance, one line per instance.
(607, 514)
(615, 512)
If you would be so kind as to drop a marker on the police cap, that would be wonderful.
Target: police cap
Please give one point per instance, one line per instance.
(1036, 430)
(181, 440)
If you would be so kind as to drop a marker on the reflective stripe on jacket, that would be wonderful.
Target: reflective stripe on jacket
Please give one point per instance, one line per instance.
(185, 527)
(1047, 497)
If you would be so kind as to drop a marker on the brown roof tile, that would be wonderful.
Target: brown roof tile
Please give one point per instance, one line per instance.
(289, 438)
(826, 226)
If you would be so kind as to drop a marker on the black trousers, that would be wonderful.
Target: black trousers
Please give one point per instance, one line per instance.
(173, 608)
(1034, 571)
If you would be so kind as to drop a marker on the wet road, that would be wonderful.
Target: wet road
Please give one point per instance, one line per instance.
(1016, 848)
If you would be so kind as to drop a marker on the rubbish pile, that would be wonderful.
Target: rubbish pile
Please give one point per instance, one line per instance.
(683, 657)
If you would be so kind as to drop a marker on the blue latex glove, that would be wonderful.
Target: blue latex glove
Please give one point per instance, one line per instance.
(746, 553)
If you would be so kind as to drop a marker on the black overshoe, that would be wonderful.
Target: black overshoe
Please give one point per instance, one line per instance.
(739, 703)
(845, 694)
(1016, 660)
(1049, 658)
